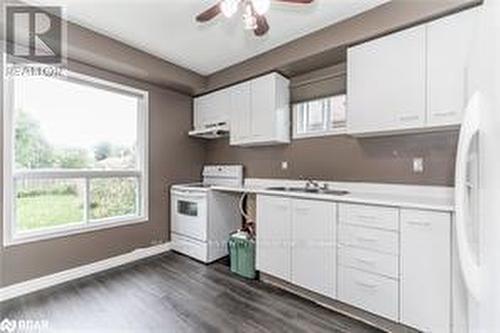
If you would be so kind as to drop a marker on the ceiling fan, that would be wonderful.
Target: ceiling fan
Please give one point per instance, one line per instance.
(253, 12)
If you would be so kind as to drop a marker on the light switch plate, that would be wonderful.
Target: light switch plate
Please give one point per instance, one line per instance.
(418, 165)
(284, 165)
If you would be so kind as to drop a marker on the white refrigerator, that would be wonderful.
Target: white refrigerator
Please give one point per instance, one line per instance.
(477, 182)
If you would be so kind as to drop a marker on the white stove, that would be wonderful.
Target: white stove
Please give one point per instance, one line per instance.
(202, 219)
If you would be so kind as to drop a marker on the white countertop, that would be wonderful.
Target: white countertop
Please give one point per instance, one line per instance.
(406, 196)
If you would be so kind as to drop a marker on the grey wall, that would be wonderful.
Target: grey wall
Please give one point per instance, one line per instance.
(174, 158)
(342, 158)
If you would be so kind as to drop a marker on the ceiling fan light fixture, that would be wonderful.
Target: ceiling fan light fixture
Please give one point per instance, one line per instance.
(261, 6)
(229, 7)
(249, 19)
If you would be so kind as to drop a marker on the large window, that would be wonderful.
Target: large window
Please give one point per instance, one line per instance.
(75, 156)
(320, 117)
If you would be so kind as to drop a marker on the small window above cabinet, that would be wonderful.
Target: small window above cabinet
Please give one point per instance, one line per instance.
(320, 117)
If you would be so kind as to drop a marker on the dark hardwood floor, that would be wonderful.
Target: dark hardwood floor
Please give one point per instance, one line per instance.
(172, 293)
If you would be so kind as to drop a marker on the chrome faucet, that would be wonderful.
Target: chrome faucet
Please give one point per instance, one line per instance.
(313, 184)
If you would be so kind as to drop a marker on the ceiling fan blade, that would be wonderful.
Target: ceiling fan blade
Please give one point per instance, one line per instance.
(262, 26)
(209, 14)
(296, 1)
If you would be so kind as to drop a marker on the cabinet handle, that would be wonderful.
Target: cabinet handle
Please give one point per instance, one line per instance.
(366, 239)
(366, 261)
(419, 224)
(366, 217)
(444, 114)
(365, 284)
(408, 118)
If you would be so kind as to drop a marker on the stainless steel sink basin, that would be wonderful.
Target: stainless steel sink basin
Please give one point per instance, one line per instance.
(307, 190)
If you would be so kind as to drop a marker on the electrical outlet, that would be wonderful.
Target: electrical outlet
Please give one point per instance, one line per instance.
(284, 165)
(418, 165)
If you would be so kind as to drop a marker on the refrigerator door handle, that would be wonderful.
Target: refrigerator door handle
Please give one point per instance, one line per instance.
(470, 128)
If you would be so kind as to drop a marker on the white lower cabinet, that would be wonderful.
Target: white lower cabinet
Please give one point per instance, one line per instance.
(368, 258)
(296, 242)
(426, 270)
(273, 236)
(313, 246)
(393, 262)
(371, 292)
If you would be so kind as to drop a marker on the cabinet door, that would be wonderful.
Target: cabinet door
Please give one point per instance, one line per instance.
(386, 83)
(212, 109)
(201, 109)
(313, 246)
(220, 107)
(449, 43)
(241, 116)
(426, 270)
(273, 236)
(263, 103)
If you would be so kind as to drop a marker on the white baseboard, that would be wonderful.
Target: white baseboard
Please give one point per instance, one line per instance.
(51, 280)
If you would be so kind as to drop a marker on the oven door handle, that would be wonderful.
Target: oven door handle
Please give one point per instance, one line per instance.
(188, 194)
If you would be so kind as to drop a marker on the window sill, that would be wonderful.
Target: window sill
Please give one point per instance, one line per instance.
(338, 131)
(72, 230)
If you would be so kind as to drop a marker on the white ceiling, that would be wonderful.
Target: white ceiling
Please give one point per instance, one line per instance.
(167, 29)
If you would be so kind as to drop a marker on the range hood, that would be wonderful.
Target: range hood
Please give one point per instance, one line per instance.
(213, 131)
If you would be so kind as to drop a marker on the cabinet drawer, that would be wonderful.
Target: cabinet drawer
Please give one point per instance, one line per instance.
(370, 216)
(371, 239)
(380, 263)
(370, 292)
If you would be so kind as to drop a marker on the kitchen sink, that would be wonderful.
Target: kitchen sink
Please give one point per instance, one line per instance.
(308, 190)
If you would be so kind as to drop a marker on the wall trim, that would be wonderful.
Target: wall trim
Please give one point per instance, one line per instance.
(47, 281)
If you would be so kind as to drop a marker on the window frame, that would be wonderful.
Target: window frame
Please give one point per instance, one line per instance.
(330, 131)
(10, 237)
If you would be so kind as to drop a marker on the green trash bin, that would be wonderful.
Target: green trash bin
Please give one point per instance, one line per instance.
(242, 254)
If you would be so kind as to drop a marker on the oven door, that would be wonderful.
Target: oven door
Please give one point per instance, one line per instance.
(189, 213)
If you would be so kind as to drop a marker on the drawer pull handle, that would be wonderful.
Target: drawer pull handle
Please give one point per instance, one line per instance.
(419, 224)
(366, 285)
(366, 261)
(366, 239)
(366, 217)
(444, 114)
(408, 118)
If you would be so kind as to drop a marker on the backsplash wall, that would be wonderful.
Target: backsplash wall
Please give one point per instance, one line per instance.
(343, 158)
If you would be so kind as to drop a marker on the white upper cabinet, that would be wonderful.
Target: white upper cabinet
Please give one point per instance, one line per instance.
(211, 110)
(296, 242)
(273, 251)
(410, 80)
(241, 114)
(256, 112)
(260, 112)
(449, 42)
(386, 83)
